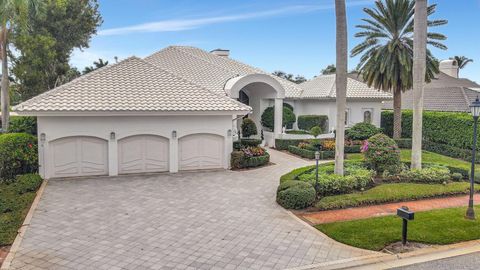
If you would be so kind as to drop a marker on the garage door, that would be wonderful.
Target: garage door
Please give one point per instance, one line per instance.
(78, 156)
(201, 151)
(143, 153)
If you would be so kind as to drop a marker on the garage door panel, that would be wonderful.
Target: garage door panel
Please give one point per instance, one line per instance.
(78, 156)
(143, 153)
(201, 151)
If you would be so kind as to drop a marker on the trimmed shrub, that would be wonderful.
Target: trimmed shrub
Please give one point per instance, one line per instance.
(237, 145)
(457, 177)
(256, 161)
(236, 159)
(23, 124)
(352, 149)
(307, 122)
(429, 175)
(286, 105)
(248, 128)
(301, 132)
(310, 154)
(382, 154)
(362, 131)
(315, 131)
(27, 183)
(295, 195)
(268, 117)
(18, 155)
(250, 142)
(293, 175)
(454, 170)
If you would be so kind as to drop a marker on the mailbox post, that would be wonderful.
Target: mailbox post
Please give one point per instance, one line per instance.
(406, 215)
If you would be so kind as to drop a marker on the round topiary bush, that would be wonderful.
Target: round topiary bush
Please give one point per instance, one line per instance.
(362, 131)
(295, 194)
(18, 155)
(382, 154)
(268, 117)
(248, 128)
(316, 131)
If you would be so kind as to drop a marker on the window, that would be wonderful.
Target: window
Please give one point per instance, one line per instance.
(367, 115)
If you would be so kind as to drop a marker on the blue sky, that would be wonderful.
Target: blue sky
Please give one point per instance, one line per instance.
(296, 36)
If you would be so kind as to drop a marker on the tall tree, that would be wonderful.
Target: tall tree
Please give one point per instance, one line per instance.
(330, 69)
(462, 62)
(13, 13)
(44, 50)
(96, 65)
(419, 67)
(341, 82)
(387, 50)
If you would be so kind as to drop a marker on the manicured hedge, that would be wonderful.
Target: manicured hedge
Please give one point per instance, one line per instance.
(22, 124)
(404, 143)
(238, 160)
(449, 128)
(305, 153)
(306, 122)
(18, 155)
(295, 194)
(268, 117)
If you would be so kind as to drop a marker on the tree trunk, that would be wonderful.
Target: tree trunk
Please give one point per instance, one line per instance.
(4, 97)
(397, 114)
(341, 83)
(419, 66)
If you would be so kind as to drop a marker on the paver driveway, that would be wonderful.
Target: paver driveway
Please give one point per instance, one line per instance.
(208, 220)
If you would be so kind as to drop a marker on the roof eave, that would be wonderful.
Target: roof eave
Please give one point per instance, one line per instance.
(132, 113)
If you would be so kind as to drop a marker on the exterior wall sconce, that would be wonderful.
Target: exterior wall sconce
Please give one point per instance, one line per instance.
(43, 137)
(112, 135)
(174, 134)
(229, 133)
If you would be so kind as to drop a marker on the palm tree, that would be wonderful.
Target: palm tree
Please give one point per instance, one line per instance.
(419, 67)
(387, 50)
(341, 83)
(462, 62)
(12, 13)
(96, 65)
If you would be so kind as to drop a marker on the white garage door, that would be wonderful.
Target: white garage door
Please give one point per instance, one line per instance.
(78, 156)
(143, 153)
(201, 151)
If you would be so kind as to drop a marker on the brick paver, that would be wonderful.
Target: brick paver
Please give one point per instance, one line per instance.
(329, 216)
(207, 220)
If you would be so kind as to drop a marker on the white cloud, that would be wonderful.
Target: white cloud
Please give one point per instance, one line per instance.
(187, 24)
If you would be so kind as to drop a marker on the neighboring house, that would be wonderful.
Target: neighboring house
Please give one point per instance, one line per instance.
(446, 92)
(175, 110)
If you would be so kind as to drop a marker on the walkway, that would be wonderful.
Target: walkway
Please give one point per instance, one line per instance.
(329, 216)
(203, 220)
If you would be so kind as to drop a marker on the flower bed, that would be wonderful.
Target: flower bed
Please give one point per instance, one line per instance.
(249, 157)
(307, 148)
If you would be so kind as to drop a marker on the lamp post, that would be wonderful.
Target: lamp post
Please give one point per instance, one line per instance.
(475, 109)
(317, 157)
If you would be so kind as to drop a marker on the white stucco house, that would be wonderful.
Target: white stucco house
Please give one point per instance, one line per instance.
(175, 110)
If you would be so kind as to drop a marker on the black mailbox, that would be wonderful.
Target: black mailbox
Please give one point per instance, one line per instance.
(405, 214)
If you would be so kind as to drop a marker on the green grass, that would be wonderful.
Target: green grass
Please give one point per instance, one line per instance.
(427, 157)
(395, 192)
(444, 226)
(15, 202)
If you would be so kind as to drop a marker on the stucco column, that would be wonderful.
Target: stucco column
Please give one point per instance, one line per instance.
(278, 116)
(173, 162)
(112, 157)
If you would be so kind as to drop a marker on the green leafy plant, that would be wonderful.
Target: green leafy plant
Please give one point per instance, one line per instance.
(315, 131)
(18, 155)
(362, 131)
(27, 183)
(295, 194)
(248, 128)
(307, 122)
(23, 124)
(382, 154)
(432, 175)
(268, 118)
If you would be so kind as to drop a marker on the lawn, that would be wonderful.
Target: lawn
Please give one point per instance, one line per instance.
(427, 157)
(395, 192)
(445, 226)
(15, 201)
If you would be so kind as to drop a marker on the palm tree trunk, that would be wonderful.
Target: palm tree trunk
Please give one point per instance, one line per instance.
(397, 114)
(4, 97)
(341, 83)
(419, 66)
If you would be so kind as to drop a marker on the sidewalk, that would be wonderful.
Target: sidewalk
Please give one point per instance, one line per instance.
(314, 218)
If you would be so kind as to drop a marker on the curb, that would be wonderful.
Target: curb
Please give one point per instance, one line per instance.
(21, 232)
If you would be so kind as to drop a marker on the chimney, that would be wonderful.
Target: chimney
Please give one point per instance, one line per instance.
(449, 67)
(221, 52)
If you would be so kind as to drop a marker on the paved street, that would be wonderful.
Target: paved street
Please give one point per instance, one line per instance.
(208, 220)
(465, 262)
